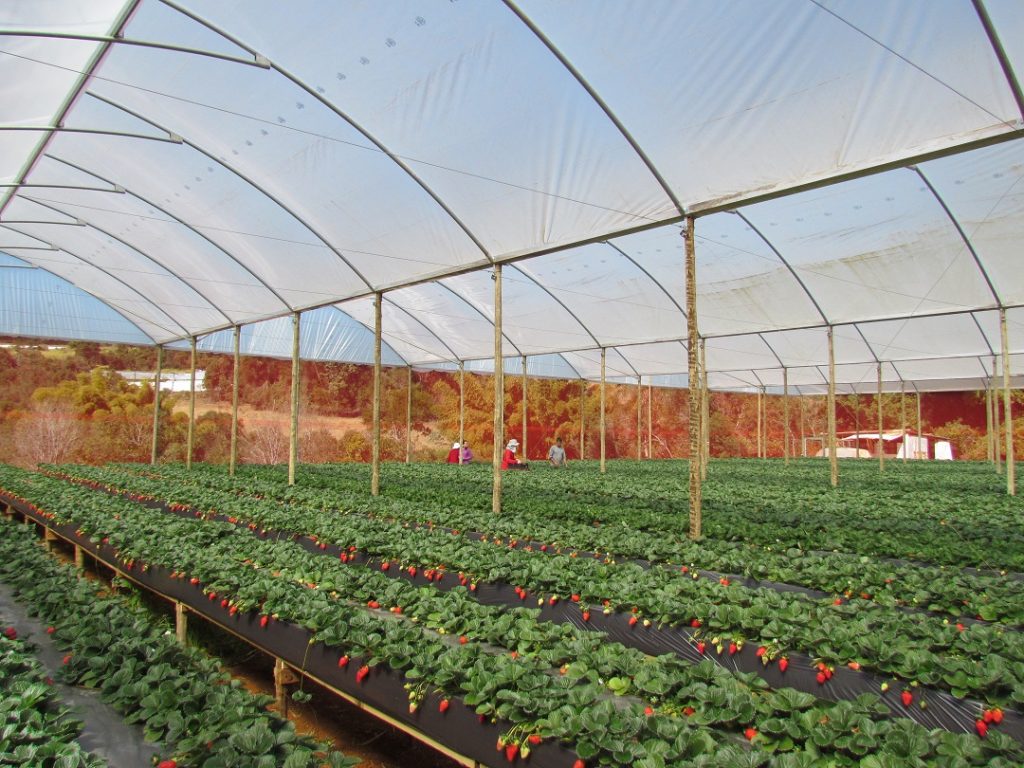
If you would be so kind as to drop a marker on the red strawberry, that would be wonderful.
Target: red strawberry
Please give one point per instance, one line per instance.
(553, 600)
(987, 715)
(385, 565)
(648, 711)
(443, 706)
(579, 764)
(695, 623)
(193, 581)
(632, 621)
(733, 648)
(362, 673)
(511, 750)
(907, 698)
(960, 626)
(820, 677)
(534, 739)
(837, 601)
(67, 660)
(723, 581)
(343, 661)
(264, 620)
(213, 596)
(11, 633)
(586, 615)
(997, 715)
(688, 711)
(981, 728)
(761, 651)
(783, 663)
(463, 639)
(750, 733)
(167, 764)
(50, 630)
(224, 603)
(575, 598)
(373, 604)
(701, 646)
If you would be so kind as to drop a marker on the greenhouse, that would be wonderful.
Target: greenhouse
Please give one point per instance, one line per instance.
(785, 201)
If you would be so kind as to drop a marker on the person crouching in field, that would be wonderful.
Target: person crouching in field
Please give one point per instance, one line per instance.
(509, 459)
(453, 454)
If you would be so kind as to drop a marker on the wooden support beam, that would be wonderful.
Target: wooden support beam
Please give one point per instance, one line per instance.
(785, 416)
(235, 377)
(283, 677)
(408, 420)
(462, 408)
(918, 453)
(191, 408)
(526, 413)
(881, 442)
(293, 430)
(833, 460)
(693, 342)
(1011, 465)
(903, 417)
(705, 437)
(650, 421)
(79, 558)
(499, 396)
(604, 354)
(583, 432)
(378, 300)
(180, 622)
(639, 418)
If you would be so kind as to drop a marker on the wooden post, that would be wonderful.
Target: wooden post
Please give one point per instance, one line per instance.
(293, 429)
(378, 300)
(833, 460)
(583, 403)
(996, 419)
(79, 558)
(525, 453)
(650, 421)
(803, 438)
(236, 373)
(462, 408)
(191, 408)
(499, 395)
(785, 415)
(705, 438)
(760, 446)
(283, 676)
(693, 341)
(988, 422)
(639, 417)
(180, 623)
(408, 420)
(156, 404)
(603, 356)
(881, 442)
(1011, 469)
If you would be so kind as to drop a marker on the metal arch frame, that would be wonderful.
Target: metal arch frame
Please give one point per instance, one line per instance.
(24, 185)
(245, 178)
(117, 39)
(601, 103)
(1004, 60)
(649, 276)
(169, 139)
(981, 332)
(126, 244)
(112, 276)
(482, 314)
(960, 230)
(454, 357)
(187, 226)
(81, 81)
(298, 82)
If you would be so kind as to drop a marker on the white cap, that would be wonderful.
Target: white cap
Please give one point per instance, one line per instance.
(454, 446)
(513, 444)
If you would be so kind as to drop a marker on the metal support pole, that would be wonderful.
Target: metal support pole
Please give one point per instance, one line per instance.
(293, 427)
(639, 418)
(833, 460)
(903, 417)
(499, 395)
(1011, 469)
(235, 377)
(785, 415)
(180, 623)
(881, 442)
(525, 454)
(156, 404)
(462, 408)
(378, 301)
(603, 356)
(705, 437)
(191, 408)
(650, 421)
(917, 451)
(408, 420)
(583, 403)
(693, 340)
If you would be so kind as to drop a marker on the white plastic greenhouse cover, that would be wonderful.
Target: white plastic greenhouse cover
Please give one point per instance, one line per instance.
(175, 169)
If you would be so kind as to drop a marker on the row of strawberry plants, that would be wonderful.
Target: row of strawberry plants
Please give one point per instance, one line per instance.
(35, 727)
(980, 660)
(665, 683)
(182, 697)
(945, 590)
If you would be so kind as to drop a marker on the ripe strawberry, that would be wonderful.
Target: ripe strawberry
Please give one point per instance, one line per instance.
(632, 621)
(385, 565)
(750, 733)
(695, 623)
(193, 581)
(688, 711)
(553, 600)
(723, 581)
(960, 626)
(463, 639)
(534, 739)
(997, 715)
(783, 663)
(733, 648)
(362, 673)
(701, 646)
(263, 621)
(586, 615)
(373, 604)
(579, 764)
(761, 651)
(11, 633)
(981, 728)
(343, 661)
(987, 715)
(575, 598)
(820, 677)
(648, 711)
(50, 630)
(213, 596)
(224, 603)
(167, 764)
(511, 750)
(443, 706)
(907, 698)
(854, 665)
(67, 660)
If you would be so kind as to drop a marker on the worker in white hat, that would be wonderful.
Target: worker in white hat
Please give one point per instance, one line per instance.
(453, 454)
(509, 460)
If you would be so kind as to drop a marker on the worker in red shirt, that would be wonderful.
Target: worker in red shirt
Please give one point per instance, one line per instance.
(453, 454)
(509, 459)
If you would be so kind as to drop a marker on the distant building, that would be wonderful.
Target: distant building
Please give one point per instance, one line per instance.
(170, 381)
(864, 445)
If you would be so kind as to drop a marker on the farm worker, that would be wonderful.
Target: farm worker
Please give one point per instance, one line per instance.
(509, 460)
(453, 454)
(467, 453)
(556, 454)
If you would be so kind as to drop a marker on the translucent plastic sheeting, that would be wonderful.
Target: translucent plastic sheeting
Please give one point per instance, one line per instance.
(38, 304)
